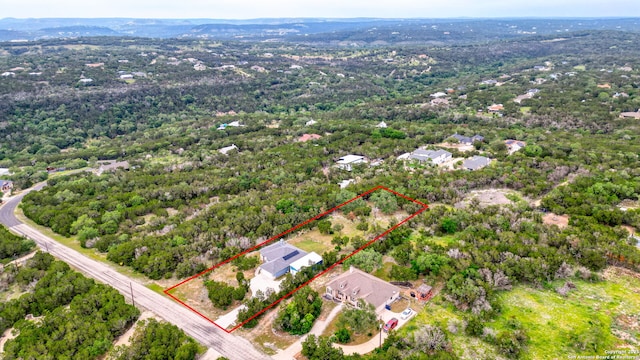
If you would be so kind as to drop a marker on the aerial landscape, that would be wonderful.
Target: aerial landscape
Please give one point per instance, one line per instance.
(327, 181)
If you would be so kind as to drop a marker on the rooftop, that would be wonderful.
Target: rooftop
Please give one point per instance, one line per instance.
(476, 162)
(359, 284)
(348, 159)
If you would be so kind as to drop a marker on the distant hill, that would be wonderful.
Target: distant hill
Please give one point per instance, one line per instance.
(312, 30)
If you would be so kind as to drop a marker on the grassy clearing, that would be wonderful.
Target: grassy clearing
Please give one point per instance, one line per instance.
(313, 241)
(591, 319)
(444, 241)
(383, 272)
(155, 287)
(525, 109)
(437, 312)
(580, 67)
(356, 339)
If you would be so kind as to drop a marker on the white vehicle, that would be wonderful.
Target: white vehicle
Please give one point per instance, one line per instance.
(407, 313)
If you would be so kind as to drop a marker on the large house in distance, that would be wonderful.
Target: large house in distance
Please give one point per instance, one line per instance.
(346, 162)
(354, 285)
(514, 145)
(476, 163)
(467, 140)
(435, 156)
(278, 258)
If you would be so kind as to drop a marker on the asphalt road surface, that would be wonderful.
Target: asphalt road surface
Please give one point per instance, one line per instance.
(230, 346)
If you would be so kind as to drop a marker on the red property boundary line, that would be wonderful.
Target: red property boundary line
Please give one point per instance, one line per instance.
(424, 207)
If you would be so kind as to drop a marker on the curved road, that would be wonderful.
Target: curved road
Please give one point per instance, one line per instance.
(203, 331)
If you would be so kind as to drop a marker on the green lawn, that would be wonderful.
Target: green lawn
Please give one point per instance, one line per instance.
(525, 109)
(310, 245)
(444, 241)
(583, 323)
(580, 67)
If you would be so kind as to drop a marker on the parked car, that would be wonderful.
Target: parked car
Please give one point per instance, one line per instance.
(390, 325)
(407, 313)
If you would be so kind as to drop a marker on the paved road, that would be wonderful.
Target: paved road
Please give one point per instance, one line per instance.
(197, 327)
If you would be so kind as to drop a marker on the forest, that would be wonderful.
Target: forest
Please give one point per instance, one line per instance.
(184, 206)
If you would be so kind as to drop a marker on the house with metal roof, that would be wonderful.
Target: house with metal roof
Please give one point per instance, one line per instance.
(346, 162)
(310, 260)
(435, 156)
(476, 163)
(278, 258)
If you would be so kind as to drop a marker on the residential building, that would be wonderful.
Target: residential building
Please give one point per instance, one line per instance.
(232, 124)
(226, 149)
(467, 140)
(435, 156)
(382, 125)
(476, 163)
(344, 183)
(514, 145)
(307, 137)
(495, 108)
(126, 77)
(111, 165)
(311, 122)
(439, 102)
(309, 260)
(424, 292)
(278, 258)
(354, 285)
(439, 94)
(6, 185)
(346, 162)
(633, 115)
(4, 171)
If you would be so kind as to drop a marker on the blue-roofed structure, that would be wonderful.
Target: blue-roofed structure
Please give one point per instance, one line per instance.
(278, 258)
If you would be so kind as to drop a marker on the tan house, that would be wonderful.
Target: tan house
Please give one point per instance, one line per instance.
(632, 115)
(354, 285)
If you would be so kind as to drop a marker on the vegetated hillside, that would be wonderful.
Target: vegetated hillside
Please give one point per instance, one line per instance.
(183, 205)
(309, 30)
(50, 311)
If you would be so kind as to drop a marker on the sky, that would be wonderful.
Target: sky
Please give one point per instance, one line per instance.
(250, 9)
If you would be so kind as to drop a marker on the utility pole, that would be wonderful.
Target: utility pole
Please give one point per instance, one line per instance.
(132, 299)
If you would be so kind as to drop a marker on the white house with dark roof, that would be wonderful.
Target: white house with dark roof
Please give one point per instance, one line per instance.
(434, 156)
(346, 162)
(278, 258)
(225, 150)
(309, 260)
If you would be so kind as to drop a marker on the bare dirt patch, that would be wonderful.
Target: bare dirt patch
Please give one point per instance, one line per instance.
(614, 272)
(553, 219)
(488, 197)
(631, 230)
(8, 335)
(459, 147)
(125, 339)
(265, 337)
